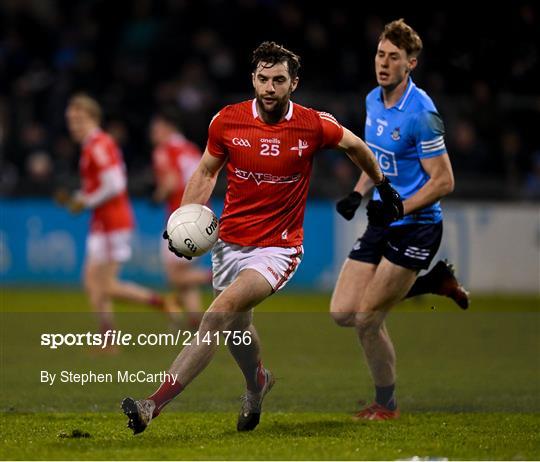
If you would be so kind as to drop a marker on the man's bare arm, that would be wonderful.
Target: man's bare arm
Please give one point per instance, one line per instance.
(440, 183)
(202, 182)
(361, 155)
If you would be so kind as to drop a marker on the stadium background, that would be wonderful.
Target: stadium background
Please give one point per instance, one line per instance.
(134, 56)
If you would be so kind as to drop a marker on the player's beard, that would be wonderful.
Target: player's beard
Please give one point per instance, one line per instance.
(275, 114)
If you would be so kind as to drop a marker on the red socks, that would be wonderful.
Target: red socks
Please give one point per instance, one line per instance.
(165, 393)
(261, 376)
(156, 300)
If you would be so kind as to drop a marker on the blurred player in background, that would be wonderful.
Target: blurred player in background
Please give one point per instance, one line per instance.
(104, 191)
(267, 145)
(406, 133)
(175, 159)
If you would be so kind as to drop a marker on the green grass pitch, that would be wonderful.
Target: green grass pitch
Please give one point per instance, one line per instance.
(468, 385)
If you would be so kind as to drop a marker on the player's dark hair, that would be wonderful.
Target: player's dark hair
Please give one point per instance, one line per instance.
(403, 36)
(272, 53)
(170, 115)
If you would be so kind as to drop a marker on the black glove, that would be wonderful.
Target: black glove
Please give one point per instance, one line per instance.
(348, 205)
(172, 249)
(377, 215)
(391, 200)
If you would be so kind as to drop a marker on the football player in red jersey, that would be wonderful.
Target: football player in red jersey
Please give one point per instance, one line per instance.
(104, 191)
(175, 158)
(267, 145)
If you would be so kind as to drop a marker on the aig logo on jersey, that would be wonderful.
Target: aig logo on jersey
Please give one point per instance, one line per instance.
(241, 142)
(387, 159)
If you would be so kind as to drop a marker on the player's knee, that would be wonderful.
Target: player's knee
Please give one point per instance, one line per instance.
(110, 287)
(222, 316)
(212, 321)
(342, 318)
(215, 321)
(94, 292)
(90, 284)
(342, 311)
(368, 323)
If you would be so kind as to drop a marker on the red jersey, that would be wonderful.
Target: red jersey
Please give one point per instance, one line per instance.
(180, 156)
(100, 153)
(268, 171)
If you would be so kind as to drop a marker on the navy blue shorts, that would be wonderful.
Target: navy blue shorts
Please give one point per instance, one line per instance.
(411, 246)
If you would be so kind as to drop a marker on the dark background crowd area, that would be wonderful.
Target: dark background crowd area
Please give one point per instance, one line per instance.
(482, 71)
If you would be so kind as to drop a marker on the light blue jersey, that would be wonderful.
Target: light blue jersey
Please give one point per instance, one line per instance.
(402, 135)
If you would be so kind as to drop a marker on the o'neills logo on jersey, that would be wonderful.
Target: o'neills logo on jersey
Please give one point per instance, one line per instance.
(267, 177)
(270, 140)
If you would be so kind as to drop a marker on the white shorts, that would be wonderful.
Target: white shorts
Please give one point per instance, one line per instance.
(108, 247)
(276, 264)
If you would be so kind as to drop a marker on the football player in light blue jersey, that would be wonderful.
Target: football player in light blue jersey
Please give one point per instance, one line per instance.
(406, 133)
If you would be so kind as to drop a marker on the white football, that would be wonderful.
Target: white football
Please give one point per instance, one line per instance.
(193, 229)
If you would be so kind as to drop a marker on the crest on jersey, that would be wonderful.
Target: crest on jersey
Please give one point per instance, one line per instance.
(395, 134)
(302, 145)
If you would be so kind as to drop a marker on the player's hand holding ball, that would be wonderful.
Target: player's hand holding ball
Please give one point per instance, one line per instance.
(347, 206)
(172, 249)
(192, 230)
